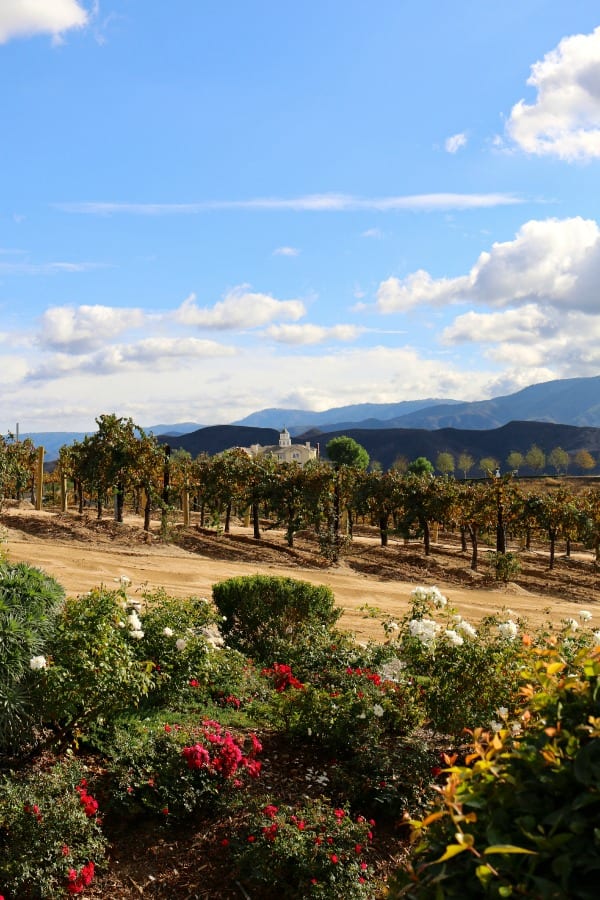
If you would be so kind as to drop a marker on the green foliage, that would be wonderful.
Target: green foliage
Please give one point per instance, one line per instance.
(520, 818)
(179, 635)
(177, 770)
(29, 604)
(306, 851)
(345, 451)
(95, 671)
(506, 566)
(346, 709)
(464, 673)
(271, 618)
(49, 833)
(421, 466)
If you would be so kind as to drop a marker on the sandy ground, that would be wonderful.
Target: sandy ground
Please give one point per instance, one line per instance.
(82, 564)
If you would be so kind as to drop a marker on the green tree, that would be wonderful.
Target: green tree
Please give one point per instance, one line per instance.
(489, 465)
(465, 463)
(535, 458)
(421, 466)
(514, 461)
(444, 463)
(345, 451)
(559, 460)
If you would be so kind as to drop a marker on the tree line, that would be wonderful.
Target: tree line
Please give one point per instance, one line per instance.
(120, 463)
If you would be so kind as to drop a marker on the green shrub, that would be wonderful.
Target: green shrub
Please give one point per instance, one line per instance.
(310, 850)
(176, 770)
(342, 710)
(521, 818)
(464, 673)
(506, 566)
(29, 604)
(50, 838)
(179, 637)
(273, 619)
(95, 672)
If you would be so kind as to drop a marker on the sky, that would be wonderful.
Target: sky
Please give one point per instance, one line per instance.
(211, 208)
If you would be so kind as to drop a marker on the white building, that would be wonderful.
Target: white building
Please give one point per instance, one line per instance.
(285, 451)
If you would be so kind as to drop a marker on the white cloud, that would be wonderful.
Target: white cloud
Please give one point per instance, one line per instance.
(49, 268)
(22, 18)
(516, 325)
(286, 251)
(455, 142)
(312, 334)
(309, 203)
(564, 120)
(375, 233)
(240, 309)
(150, 355)
(555, 262)
(83, 328)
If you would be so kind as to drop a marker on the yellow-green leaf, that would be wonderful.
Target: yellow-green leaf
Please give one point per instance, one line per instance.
(451, 850)
(506, 848)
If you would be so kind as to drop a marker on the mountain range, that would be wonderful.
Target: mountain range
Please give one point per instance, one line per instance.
(571, 402)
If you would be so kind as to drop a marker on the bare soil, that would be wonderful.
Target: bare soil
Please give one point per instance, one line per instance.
(82, 552)
(146, 860)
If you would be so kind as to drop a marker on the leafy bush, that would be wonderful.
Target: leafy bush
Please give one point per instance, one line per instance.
(464, 673)
(177, 770)
(343, 710)
(312, 850)
(179, 635)
(272, 619)
(50, 838)
(506, 566)
(95, 671)
(29, 604)
(520, 819)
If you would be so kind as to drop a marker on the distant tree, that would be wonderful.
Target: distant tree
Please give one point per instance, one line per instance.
(514, 461)
(465, 463)
(400, 465)
(559, 460)
(535, 458)
(444, 463)
(345, 451)
(584, 460)
(346, 454)
(421, 466)
(489, 465)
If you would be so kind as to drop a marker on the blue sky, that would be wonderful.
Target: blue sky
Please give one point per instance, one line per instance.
(212, 208)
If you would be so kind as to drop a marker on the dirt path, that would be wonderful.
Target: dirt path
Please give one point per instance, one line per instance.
(80, 565)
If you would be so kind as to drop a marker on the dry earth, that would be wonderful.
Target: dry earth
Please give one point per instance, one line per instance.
(82, 553)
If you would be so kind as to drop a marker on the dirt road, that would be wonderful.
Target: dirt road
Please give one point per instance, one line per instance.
(82, 564)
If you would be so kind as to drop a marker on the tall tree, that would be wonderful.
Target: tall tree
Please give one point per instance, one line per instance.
(444, 463)
(465, 463)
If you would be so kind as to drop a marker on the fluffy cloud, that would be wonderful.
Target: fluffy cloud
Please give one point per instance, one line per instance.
(564, 120)
(454, 143)
(84, 328)
(240, 309)
(552, 262)
(149, 355)
(20, 18)
(312, 334)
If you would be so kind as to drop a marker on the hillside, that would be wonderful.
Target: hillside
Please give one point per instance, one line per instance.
(385, 444)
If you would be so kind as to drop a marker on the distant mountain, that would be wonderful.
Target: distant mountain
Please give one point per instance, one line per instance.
(569, 401)
(216, 438)
(179, 428)
(386, 444)
(296, 420)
